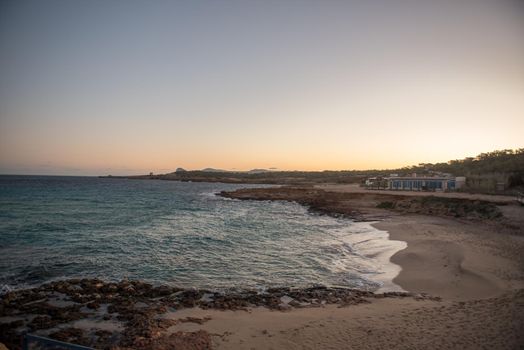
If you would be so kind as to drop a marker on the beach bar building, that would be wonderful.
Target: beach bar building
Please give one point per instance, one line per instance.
(416, 183)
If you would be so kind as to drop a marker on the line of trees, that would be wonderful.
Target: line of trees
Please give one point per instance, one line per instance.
(497, 171)
(505, 161)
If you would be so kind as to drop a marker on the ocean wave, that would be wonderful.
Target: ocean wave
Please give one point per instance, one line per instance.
(181, 234)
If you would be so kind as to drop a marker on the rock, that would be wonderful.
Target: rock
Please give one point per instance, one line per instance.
(93, 305)
(42, 322)
(286, 300)
(195, 320)
(129, 290)
(71, 335)
(140, 307)
(161, 291)
(295, 303)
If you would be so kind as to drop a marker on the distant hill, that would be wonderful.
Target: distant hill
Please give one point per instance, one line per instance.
(493, 172)
(258, 171)
(213, 170)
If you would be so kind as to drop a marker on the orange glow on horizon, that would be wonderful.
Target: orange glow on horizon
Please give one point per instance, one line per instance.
(349, 85)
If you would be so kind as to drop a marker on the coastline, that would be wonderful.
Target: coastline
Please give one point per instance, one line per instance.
(455, 260)
(471, 266)
(458, 248)
(474, 266)
(474, 262)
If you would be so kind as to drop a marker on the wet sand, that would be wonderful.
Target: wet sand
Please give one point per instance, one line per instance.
(456, 259)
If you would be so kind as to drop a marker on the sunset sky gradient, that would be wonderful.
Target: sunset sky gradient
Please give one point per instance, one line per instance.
(129, 87)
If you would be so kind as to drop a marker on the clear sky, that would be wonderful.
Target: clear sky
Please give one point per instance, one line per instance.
(125, 87)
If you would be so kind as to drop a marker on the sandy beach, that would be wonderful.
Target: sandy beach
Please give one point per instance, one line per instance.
(462, 273)
(494, 323)
(475, 266)
(261, 175)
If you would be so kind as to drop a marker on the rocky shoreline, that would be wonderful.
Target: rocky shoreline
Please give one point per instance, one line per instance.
(135, 314)
(465, 233)
(371, 206)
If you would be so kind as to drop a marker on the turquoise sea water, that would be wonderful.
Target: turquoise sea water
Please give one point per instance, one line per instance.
(179, 234)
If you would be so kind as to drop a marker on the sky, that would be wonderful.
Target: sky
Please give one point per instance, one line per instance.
(129, 87)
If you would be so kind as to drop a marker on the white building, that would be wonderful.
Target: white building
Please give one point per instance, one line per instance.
(425, 183)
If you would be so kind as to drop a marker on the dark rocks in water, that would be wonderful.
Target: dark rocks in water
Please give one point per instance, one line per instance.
(42, 322)
(187, 298)
(162, 291)
(93, 305)
(49, 316)
(70, 335)
(140, 307)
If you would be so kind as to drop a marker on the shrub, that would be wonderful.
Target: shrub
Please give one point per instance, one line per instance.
(386, 205)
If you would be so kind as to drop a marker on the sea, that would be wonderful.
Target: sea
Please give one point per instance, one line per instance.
(180, 234)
